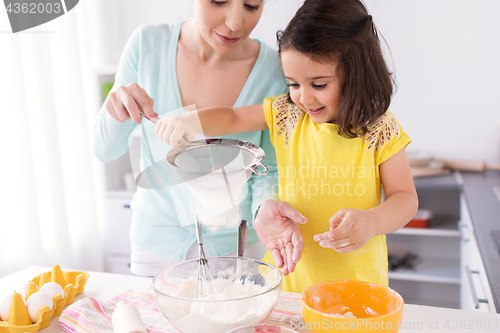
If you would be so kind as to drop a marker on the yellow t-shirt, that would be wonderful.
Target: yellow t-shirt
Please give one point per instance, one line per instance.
(321, 172)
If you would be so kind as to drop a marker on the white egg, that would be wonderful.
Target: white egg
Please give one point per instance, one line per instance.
(5, 306)
(37, 301)
(53, 289)
(22, 290)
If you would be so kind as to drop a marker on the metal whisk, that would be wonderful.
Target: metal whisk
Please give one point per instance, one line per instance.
(204, 281)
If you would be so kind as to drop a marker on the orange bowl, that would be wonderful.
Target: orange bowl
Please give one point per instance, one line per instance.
(351, 306)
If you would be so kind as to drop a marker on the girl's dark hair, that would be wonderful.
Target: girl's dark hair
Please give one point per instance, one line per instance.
(341, 31)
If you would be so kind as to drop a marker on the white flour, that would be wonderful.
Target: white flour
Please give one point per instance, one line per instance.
(216, 317)
(338, 315)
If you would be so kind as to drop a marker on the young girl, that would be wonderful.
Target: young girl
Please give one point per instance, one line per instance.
(336, 146)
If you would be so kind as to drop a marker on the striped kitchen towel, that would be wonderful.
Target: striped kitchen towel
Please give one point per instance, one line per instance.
(90, 315)
(288, 312)
(94, 316)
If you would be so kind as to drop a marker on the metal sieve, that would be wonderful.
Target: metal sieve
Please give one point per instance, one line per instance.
(216, 171)
(203, 157)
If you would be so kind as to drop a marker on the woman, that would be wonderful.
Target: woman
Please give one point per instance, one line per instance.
(206, 61)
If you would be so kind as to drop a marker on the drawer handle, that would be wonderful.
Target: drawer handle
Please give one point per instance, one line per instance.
(462, 226)
(475, 300)
(126, 206)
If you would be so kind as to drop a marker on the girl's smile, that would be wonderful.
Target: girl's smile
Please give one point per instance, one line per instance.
(314, 112)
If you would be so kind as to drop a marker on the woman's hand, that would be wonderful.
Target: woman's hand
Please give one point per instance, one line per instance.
(277, 228)
(175, 130)
(350, 229)
(128, 102)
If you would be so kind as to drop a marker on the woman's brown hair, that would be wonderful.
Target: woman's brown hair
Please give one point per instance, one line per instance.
(341, 31)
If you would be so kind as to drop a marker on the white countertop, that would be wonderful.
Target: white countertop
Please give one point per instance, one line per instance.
(416, 318)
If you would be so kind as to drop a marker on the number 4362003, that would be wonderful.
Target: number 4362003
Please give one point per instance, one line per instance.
(472, 324)
(34, 8)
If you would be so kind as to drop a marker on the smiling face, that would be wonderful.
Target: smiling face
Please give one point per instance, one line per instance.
(314, 86)
(226, 24)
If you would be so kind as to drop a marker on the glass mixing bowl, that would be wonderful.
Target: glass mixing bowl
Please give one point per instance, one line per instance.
(247, 300)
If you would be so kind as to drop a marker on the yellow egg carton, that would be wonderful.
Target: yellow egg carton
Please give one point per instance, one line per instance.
(19, 321)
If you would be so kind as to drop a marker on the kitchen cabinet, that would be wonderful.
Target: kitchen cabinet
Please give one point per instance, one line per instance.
(449, 271)
(484, 209)
(119, 213)
(117, 232)
(435, 279)
(475, 292)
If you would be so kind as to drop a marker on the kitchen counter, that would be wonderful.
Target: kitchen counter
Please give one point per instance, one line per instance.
(416, 318)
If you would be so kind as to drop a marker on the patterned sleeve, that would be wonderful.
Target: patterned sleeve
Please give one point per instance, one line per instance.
(268, 113)
(389, 137)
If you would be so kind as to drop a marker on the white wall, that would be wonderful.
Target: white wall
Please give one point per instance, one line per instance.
(446, 55)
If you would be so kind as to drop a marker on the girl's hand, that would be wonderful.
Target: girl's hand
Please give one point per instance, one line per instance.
(350, 229)
(128, 102)
(277, 228)
(175, 130)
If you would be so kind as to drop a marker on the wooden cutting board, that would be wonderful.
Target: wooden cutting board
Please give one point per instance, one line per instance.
(432, 169)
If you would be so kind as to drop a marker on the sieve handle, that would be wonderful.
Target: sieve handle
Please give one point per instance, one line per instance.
(152, 120)
(257, 172)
